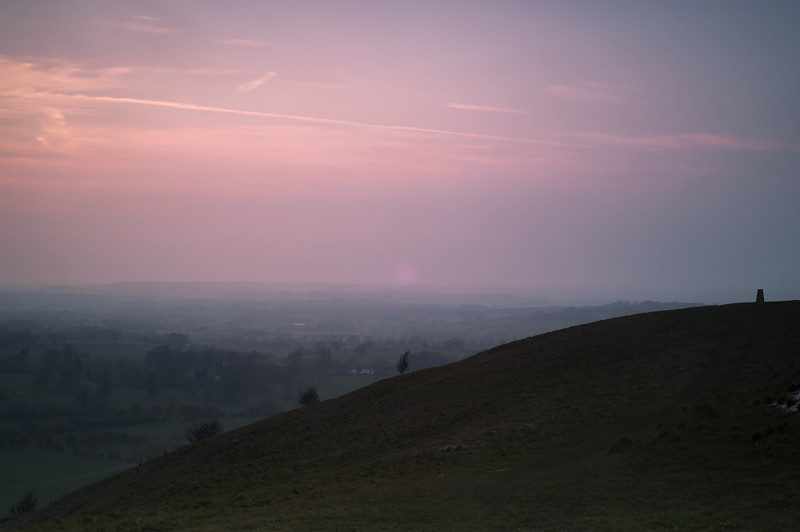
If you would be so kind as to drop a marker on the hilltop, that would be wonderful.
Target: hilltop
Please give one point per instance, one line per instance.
(667, 420)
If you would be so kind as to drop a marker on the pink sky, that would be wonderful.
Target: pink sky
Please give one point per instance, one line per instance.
(613, 145)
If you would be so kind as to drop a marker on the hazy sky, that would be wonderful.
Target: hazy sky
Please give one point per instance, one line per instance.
(620, 145)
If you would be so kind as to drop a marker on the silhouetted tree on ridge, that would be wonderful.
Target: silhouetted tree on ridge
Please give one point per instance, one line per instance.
(402, 364)
(309, 396)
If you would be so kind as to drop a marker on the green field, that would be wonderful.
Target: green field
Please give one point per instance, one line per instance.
(69, 445)
(35, 466)
(49, 474)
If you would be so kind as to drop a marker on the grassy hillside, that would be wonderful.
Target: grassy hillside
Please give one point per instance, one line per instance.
(656, 421)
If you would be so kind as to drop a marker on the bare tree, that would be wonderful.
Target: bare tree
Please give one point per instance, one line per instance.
(28, 503)
(202, 430)
(402, 364)
(308, 397)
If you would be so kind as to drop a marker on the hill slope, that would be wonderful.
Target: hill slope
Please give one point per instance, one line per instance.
(653, 421)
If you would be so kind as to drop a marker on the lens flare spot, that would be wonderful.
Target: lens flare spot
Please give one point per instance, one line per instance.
(405, 273)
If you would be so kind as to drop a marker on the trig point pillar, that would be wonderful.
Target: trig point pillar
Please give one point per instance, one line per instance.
(760, 296)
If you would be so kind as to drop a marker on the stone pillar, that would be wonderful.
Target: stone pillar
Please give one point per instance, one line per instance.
(760, 296)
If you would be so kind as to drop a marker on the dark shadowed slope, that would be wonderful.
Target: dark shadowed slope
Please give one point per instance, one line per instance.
(656, 421)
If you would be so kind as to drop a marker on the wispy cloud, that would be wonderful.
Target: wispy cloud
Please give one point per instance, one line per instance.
(319, 85)
(686, 141)
(20, 77)
(213, 71)
(243, 42)
(318, 120)
(54, 132)
(470, 107)
(142, 24)
(593, 93)
(253, 84)
(50, 104)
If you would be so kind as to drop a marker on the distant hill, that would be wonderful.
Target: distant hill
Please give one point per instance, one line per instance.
(424, 295)
(672, 420)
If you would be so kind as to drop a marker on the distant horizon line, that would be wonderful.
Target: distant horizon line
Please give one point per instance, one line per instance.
(542, 293)
(311, 284)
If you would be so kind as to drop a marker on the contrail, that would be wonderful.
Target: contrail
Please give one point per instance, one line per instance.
(331, 121)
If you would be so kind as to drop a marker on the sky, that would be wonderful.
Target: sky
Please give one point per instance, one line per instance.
(649, 149)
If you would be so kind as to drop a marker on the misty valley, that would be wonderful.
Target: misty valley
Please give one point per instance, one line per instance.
(92, 383)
